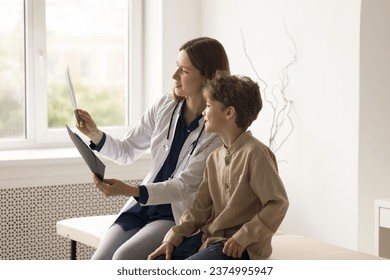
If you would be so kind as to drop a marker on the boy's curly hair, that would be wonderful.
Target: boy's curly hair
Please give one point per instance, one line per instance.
(240, 92)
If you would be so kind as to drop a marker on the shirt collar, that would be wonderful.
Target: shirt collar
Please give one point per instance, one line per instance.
(238, 143)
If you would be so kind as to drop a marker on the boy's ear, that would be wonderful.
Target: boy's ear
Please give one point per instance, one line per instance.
(230, 112)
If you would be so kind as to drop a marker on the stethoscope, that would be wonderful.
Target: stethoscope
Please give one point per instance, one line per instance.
(165, 146)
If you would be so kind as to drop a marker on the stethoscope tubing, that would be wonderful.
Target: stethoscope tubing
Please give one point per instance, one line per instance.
(194, 144)
(170, 121)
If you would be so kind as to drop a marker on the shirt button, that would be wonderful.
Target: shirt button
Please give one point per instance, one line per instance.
(226, 186)
(227, 161)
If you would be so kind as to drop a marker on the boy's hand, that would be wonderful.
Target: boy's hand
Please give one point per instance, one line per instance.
(165, 248)
(232, 248)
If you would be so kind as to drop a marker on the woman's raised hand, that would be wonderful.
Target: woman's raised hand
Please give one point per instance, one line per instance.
(88, 127)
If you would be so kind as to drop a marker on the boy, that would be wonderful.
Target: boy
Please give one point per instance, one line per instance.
(241, 200)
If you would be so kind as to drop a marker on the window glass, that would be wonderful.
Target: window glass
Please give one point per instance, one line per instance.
(89, 36)
(12, 77)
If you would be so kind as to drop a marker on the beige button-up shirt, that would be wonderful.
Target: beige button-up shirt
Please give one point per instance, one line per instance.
(241, 196)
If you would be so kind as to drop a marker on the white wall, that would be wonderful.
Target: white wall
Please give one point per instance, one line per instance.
(167, 25)
(374, 149)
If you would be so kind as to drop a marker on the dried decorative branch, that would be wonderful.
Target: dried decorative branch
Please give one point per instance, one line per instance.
(280, 104)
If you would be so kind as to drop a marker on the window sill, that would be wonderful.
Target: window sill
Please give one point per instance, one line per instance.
(41, 167)
(17, 157)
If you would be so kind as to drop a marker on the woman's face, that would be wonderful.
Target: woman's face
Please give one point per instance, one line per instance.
(188, 79)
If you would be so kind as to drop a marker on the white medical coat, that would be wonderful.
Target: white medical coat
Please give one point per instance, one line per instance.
(151, 133)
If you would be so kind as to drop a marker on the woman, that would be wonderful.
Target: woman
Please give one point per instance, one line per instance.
(173, 129)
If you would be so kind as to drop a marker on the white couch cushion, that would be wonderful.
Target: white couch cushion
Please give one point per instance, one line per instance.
(86, 230)
(295, 247)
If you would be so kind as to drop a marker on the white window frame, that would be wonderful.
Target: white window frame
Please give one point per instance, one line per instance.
(38, 135)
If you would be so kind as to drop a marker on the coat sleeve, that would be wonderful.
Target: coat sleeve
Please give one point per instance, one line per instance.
(187, 181)
(136, 141)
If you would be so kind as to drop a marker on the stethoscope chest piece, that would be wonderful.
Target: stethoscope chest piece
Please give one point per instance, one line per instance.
(165, 146)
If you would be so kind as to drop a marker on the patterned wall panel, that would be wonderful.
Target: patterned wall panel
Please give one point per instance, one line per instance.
(29, 215)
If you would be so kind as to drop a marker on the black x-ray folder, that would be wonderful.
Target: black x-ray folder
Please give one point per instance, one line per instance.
(94, 163)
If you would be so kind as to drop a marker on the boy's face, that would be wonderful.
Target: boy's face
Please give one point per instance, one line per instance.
(214, 115)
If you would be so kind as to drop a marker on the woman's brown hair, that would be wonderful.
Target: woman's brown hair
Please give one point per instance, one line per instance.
(207, 55)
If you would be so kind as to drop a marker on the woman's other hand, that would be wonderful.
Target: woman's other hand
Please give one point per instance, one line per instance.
(113, 187)
(88, 127)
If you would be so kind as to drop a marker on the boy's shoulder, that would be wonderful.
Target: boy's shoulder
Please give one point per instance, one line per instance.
(247, 143)
(254, 148)
(246, 148)
(250, 140)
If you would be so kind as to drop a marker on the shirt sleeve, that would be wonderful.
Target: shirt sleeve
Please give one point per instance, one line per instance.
(99, 146)
(143, 195)
(267, 185)
(193, 218)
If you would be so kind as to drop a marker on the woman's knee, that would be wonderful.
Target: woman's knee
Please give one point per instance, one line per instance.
(131, 251)
(113, 239)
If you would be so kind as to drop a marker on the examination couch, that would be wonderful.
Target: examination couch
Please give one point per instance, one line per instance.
(88, 230)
